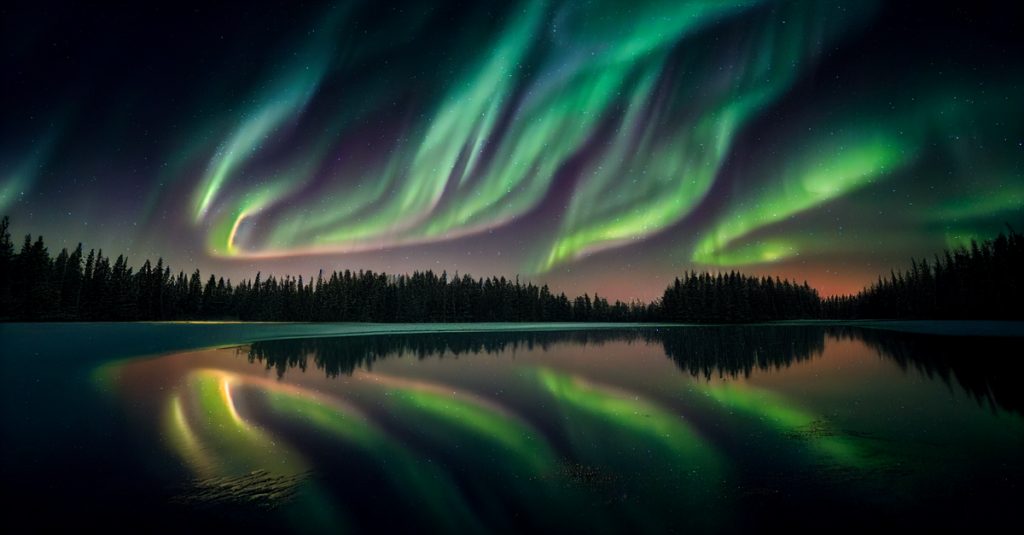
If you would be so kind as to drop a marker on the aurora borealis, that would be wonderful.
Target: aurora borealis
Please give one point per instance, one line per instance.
(604, 145)
(605, 429)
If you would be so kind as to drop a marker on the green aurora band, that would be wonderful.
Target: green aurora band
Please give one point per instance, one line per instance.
(214, 439)
(432, 491)
(854, 153)
(522, 448)
(785, 417)
(612, 142)
(667, 115)
(628, 422)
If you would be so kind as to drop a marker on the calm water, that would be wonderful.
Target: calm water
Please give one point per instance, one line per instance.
(655, 430)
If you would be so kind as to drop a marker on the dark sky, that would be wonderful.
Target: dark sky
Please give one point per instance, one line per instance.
(604, 146)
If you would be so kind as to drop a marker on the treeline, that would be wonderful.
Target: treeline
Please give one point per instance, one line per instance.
(980, 283)
(76, 286)
(737, 298)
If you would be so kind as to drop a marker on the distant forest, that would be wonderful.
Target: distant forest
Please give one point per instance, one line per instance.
(982, 282)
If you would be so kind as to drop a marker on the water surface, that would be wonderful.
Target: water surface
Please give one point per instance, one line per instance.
(706, 428)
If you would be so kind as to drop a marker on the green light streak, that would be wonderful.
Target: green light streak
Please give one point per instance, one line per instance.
(284, 102)
(462, 124)
(840, 168)
(214, 440)
(634, 420)
(779, 413)
(1008, 196)
(527, 451)
(631, 117)
(771, 250)
(854, 151)
(223, 234)
(651, 179)
(427, 488)
(12, 187)
(15, 182)
(184, 442)
(671, 115)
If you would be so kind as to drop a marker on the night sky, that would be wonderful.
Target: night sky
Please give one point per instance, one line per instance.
(599, 145)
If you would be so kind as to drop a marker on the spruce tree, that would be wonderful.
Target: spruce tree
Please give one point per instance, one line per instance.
(194, 297)
(102, 295)
(6, 270)
(71, 286)
(40, 297)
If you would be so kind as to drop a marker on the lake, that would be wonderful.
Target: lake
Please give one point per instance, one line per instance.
(262, 428)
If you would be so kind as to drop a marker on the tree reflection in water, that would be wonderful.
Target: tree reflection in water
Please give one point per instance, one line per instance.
(983, 366)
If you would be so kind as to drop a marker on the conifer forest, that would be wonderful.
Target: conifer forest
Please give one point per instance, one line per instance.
(980, 282)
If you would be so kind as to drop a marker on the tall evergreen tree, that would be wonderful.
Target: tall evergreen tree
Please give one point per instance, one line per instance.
(38, 295)
(71, 285)
(194, 296)
(102, 298)
(6, 270)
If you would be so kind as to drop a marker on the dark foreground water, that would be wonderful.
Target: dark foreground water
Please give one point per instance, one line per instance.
(704, 429)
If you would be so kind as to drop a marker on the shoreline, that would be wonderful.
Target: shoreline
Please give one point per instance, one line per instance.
(95, 342)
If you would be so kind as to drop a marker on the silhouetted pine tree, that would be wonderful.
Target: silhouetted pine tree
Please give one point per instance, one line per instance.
(979, 282)
(982, 282)
(71, 286)
(103, 294)
(36, 297)
(6, 271)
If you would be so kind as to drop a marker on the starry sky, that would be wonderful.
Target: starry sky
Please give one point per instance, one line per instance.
(599, 145)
